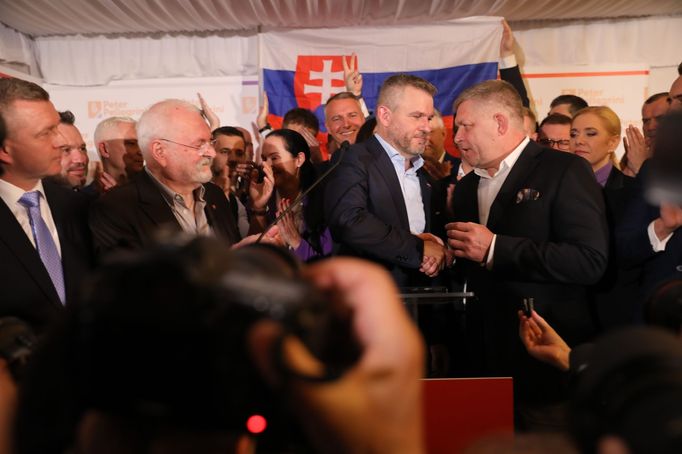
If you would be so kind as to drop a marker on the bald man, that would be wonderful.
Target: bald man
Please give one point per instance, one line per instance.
(171, 194)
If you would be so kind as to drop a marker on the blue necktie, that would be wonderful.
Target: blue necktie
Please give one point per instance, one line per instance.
(45, 245)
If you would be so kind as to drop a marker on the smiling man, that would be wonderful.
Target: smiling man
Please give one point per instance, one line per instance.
(171, 193)
(74, 152)
(343, 118)
(377, 201)
(44, 242)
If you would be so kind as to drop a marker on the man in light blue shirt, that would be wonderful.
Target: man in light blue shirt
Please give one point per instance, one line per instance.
(377, 202)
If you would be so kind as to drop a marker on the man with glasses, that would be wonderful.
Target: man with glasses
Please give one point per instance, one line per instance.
(171, 194)
(555, 132)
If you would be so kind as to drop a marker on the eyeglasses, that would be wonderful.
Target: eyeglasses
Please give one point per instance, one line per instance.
(203, 148)
(560, 144)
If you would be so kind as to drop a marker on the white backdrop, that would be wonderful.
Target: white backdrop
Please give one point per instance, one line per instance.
(621, 87)
(233, 99)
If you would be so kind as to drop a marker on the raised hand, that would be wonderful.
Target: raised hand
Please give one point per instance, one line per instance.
(636, 150)
(351, 74)
(542, 342)
(507, 41)
(288, 230)
(211, 117)
(260, 193)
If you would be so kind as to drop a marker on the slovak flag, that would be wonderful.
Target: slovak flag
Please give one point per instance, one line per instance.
(304, 68)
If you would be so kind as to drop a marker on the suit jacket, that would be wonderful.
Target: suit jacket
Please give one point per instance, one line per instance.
(27, 290)
(552, 241)
(365, 211)
(130, 216)
(634, 246)
(615, 296)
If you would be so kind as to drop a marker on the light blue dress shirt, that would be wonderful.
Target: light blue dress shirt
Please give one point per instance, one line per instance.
(409, 185)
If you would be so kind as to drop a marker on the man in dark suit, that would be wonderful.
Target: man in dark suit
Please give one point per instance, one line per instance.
(172, 193)
(44, 242)
(529, 223)
(650, 234)
(377, 200)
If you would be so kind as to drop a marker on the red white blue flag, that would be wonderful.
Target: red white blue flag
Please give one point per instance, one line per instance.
(303, 68)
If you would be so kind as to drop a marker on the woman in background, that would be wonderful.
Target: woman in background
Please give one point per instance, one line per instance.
(595, 135)
(302, 230)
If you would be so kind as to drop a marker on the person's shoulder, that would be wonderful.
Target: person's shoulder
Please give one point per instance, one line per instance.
(213, 192)
(58, 194)
(555, 158)
(121, 196)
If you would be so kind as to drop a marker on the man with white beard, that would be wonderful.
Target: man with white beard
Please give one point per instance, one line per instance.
(171, 193)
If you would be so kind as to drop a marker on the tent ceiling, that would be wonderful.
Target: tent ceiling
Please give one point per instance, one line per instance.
(68, 17)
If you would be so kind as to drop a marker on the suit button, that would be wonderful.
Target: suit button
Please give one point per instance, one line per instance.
(679, 268)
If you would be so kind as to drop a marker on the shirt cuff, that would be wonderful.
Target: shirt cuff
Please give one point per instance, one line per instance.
(508, 62)
(363, 107)
(656, 244)
(491, 251)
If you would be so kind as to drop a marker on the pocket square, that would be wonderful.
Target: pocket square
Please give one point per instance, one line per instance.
(527, 194)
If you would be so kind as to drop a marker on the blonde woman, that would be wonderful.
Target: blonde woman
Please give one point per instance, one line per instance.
(595, 134)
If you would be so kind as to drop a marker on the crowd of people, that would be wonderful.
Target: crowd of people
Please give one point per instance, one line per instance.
(135, 308)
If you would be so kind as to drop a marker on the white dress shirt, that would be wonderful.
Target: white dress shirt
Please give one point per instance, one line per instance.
(409, 185)
(489, 186)
(11, 194)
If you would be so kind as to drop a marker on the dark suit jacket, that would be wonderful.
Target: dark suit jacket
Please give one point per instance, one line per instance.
(130, 216)
(615, 296)
(634, 245)
(365, 210)
(550, 245)
(27, 291)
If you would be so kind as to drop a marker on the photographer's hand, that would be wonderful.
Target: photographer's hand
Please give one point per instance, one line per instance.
(376, 405)
(8, 404)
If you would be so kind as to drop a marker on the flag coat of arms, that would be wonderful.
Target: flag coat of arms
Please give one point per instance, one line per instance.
(304, 68)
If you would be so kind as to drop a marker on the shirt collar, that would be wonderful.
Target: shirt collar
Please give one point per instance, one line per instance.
(397, 158)
(507, 163)
(602, 174)
(171, 196)
(11, 194)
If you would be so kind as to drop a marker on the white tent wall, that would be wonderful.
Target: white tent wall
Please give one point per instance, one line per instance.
(96, 60)
(17, 52)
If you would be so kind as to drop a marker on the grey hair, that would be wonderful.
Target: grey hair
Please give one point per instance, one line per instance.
(495, 92)
(105, 130)
(153, 124)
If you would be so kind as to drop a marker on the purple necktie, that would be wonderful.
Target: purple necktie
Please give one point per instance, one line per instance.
(45, 245)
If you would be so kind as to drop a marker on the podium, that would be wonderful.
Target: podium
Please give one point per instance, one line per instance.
(415, 297)
(460, 411)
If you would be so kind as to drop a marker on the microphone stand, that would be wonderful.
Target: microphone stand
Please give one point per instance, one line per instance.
(344, 146)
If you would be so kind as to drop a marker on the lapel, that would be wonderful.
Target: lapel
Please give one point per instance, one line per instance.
(426, 197)
(219, 214)
(17, 242)
(465, 199)
(523, 166)
(385, 168)
(152, 202)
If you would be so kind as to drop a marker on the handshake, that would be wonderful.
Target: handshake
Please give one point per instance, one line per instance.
(436, 255)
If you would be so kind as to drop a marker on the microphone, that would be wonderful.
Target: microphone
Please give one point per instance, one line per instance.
(342, 151)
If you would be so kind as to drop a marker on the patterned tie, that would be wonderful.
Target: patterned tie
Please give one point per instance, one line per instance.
(45, 245)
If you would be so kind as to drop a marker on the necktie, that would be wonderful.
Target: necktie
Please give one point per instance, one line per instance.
(45, 245)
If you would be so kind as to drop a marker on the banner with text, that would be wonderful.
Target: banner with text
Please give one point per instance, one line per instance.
(623, 88)
(233, 99)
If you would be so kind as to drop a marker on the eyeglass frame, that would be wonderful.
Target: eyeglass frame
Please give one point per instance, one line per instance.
(201, 148)
(550, 142)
